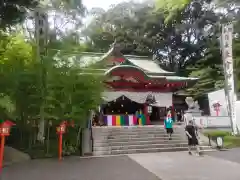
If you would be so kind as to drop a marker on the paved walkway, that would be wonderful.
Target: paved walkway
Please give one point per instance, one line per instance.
(231, 155)
(107, 168)
(152, 166)
(181, 166)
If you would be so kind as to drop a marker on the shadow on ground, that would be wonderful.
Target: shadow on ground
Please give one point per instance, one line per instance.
(108, 168)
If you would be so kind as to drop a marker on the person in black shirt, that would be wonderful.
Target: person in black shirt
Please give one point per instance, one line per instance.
(179, 117)
(191, 132)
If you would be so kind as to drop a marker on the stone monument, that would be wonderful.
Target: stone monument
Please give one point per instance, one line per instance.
(193, 109)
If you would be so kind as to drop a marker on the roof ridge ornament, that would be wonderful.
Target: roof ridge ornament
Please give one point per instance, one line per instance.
(150, 99)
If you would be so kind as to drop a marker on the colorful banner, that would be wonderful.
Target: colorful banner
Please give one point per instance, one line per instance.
(142, 119)
(227, 36)
(124, 120)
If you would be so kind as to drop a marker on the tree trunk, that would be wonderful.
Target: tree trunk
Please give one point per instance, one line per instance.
(41, 130)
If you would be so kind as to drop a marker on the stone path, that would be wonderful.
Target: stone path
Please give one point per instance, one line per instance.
(181, 166)
(151, 166)
(107, 168)
(231, 155)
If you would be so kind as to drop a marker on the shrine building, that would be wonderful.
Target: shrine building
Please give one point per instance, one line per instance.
(138, 91)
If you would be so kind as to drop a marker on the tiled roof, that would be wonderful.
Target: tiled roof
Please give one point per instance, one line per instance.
(175, 78)
(149, 66)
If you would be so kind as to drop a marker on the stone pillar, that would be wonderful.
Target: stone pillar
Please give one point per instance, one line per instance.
(87, 142)
(193, 109)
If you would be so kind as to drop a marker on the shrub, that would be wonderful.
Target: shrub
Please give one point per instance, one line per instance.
(217, 133)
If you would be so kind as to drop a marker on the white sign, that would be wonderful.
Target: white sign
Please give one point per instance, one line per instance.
(227, 33)
(238, 113)
(212, 121)
(218, 96)
(219, 141)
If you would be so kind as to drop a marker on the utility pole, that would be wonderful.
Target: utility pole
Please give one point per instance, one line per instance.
(41, 34)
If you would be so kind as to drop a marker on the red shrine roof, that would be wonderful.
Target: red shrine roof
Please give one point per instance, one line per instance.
(134, 73)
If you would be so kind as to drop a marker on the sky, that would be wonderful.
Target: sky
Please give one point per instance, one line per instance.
(100, 3)
(103, 3)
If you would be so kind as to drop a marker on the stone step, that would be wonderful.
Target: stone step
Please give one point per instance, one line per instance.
(135, 132)
(147, 146)
(141, 135)
(147, 150)
(140, 132)
(130, 140)
(146, 142)
(132, 130)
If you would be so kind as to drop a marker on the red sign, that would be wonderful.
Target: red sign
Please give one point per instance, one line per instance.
(5, 128)
(216, 107)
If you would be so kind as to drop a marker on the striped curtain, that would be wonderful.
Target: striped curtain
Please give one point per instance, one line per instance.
(124, 120)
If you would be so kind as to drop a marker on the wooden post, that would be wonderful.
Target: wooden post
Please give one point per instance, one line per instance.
(2, 151)
(146, 114)
(60, 146)
(60, 131)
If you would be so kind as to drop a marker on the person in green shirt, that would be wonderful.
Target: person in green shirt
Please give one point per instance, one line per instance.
(168, 123)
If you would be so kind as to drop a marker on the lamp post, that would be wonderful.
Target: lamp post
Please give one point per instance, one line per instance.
(5, 128)
(150, 99)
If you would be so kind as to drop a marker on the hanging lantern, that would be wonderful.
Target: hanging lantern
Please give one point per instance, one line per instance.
(149, 108)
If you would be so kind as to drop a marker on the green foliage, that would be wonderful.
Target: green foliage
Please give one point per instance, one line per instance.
(217, 133)
(69, 94)
(14, 11)
(229, 141)
(209, 70)
(171, 7)
(144, 32)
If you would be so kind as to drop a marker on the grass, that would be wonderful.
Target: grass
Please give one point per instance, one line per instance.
(229, 141)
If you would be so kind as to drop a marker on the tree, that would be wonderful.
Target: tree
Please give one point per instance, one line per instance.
(69, 92)
(14, 11)
(175, 44)
(120, 22)
(209, 70)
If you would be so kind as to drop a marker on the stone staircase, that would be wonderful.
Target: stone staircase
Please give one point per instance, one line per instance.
(138, 139)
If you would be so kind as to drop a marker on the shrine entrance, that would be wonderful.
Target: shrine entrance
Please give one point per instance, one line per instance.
(125, 106)
(122, 105)
(157, 115)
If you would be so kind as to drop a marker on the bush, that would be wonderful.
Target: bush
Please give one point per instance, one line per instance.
(229, 141)
(217, 133)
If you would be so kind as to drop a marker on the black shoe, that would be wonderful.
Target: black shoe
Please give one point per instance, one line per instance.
(189, 152)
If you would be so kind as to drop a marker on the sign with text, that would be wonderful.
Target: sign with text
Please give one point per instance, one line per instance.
(212, 121)
(227, 35)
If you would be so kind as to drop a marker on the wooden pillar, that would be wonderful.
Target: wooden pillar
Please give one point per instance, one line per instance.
(173, 112)
(148, 122)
